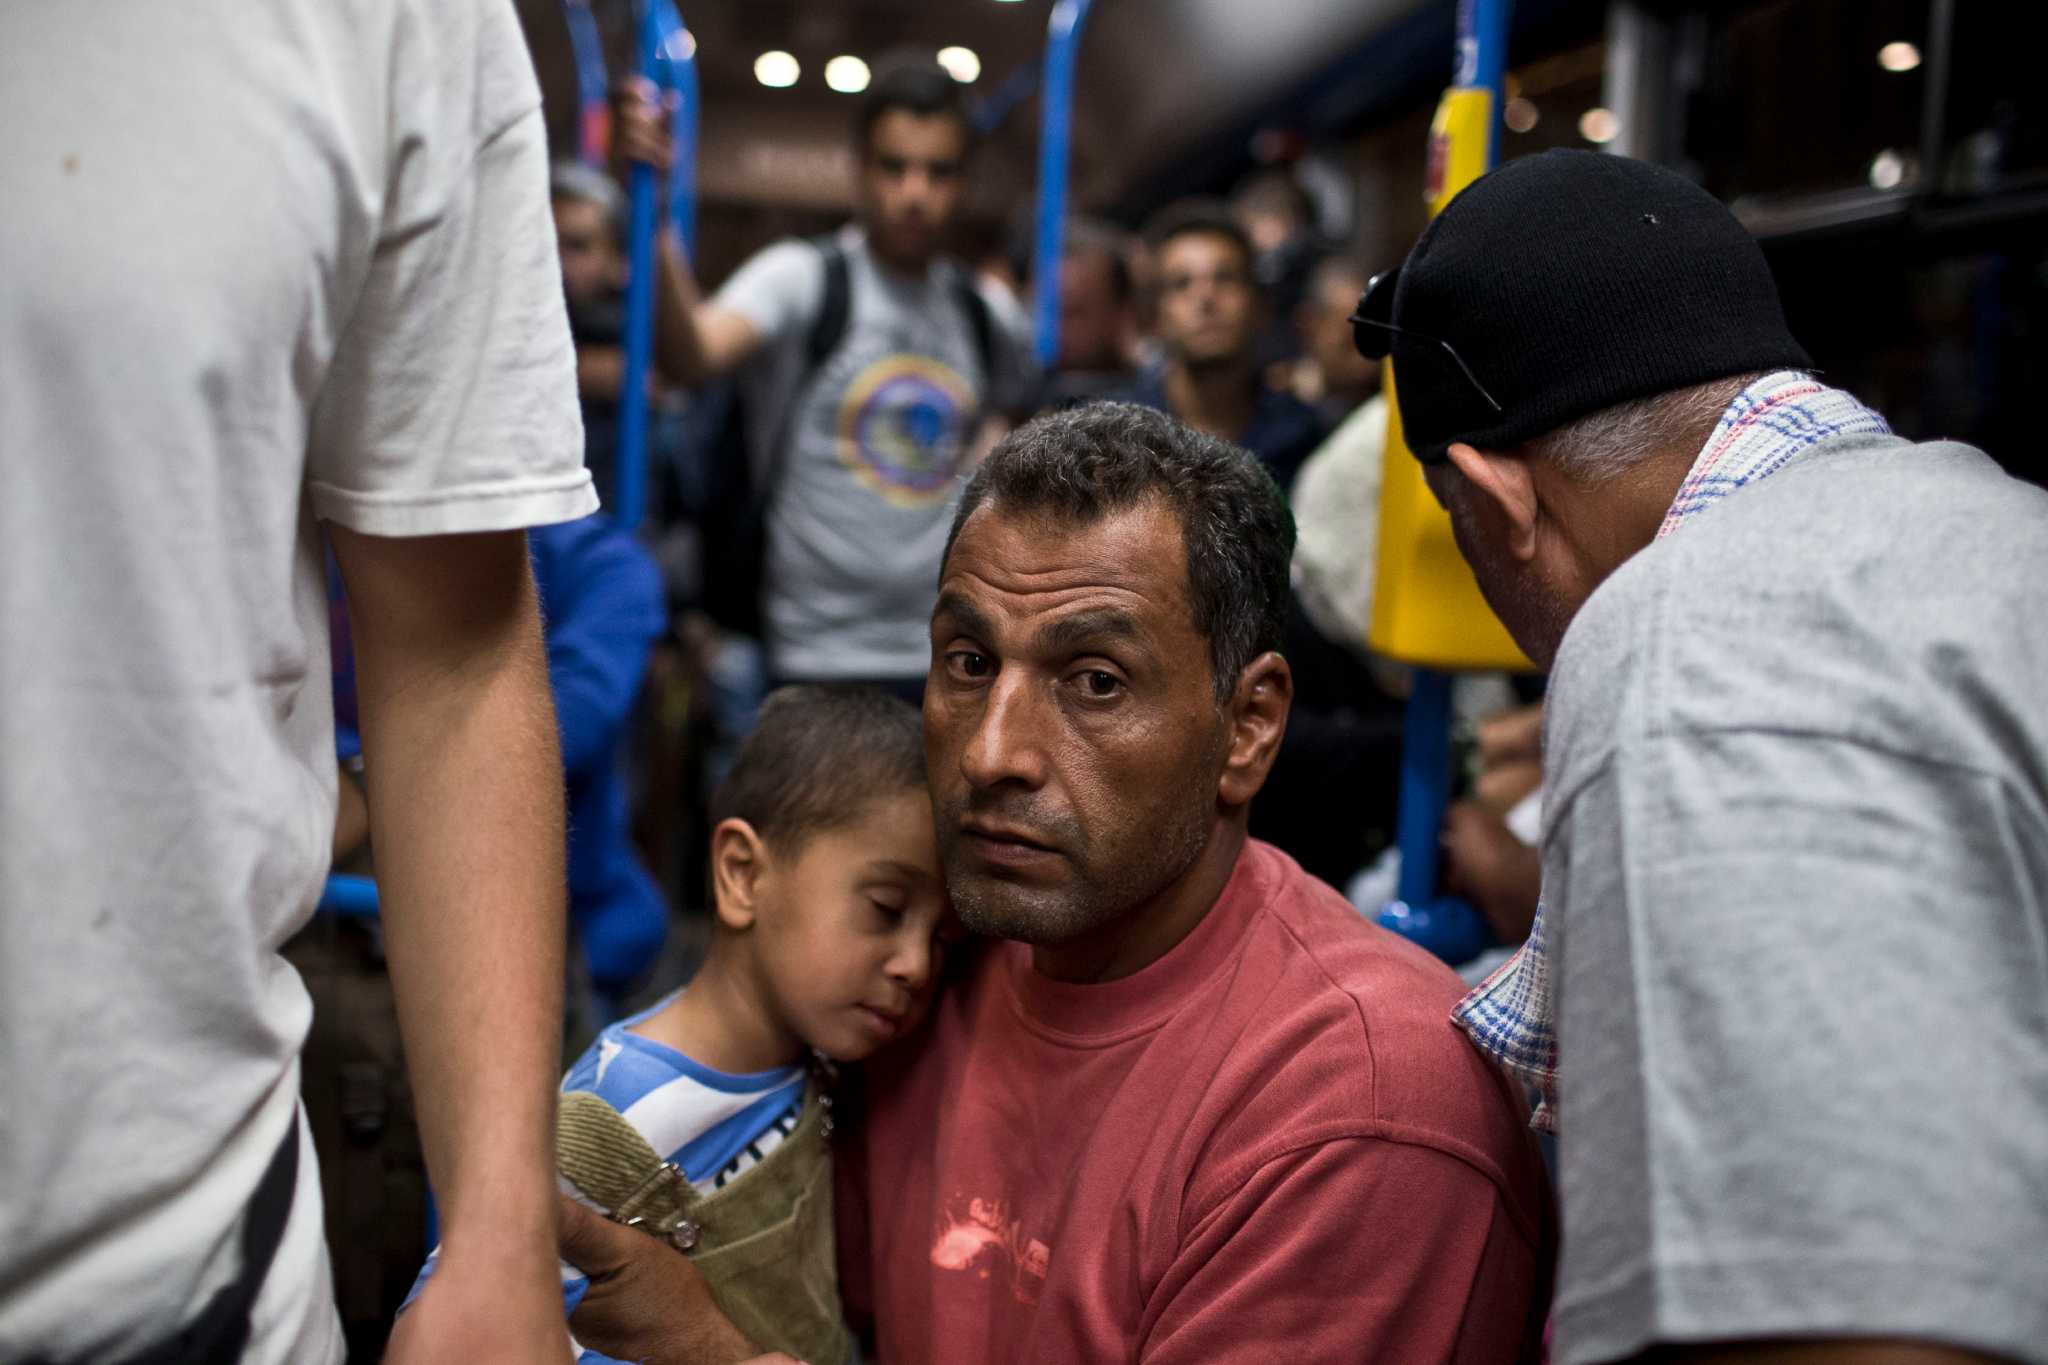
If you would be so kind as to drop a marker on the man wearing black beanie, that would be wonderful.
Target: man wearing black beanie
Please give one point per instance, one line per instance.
(1785, 997)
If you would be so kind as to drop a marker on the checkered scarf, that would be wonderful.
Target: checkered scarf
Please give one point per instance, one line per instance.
(1510, 1015)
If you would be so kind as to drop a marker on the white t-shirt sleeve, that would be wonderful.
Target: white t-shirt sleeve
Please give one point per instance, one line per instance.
(449, 404)
(779, 290)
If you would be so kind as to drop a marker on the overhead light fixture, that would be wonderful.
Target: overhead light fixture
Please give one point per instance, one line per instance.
(847, 75)
(681, 46)
(1519, 115)
(961, 64)
(1887, 170)
(776, 70)
(1599, 125)
(1898, 56)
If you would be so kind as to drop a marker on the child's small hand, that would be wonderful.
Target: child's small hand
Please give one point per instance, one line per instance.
(646, 1301)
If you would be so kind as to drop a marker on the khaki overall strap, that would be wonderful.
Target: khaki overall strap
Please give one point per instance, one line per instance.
(605, 1156)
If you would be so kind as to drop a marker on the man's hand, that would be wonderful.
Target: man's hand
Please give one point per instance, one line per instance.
(1486, 864)
(464, 1314)
(641, 125)
(1512, 737)
(693, 341)
(646, 1301)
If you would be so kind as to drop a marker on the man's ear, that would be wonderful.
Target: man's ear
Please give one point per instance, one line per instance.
(739, 859)
(1258, 719)
(1506, 484)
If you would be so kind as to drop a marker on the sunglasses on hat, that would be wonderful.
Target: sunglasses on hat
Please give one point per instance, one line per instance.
(1373, 331)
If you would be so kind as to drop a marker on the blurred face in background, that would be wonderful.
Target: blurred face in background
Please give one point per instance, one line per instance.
(912, 177)
(1095, 324)
(1208, 306)
(1324, 322)
(592, 264)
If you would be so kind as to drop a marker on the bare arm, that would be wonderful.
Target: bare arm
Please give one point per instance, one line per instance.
(466, 815)
(694, 340)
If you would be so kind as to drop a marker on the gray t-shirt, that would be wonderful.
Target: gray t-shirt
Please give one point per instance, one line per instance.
(1797, 861)
(864, 456)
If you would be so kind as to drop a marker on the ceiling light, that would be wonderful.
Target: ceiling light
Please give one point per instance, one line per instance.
(847, 75)
(961, 63)
(1520, 115)
(777, 70)
(1898, 56)
(1887, 170)
(1599, 125)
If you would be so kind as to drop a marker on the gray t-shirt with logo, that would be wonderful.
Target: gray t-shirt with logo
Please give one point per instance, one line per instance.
(1797, 861)
(865, 456)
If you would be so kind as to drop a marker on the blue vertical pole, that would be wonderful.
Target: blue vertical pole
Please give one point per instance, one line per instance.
(593, 94)
(1055, 137)
(1425, 782)
(659, 25)
(1449, 928)
(1482, 58)
(679, 53)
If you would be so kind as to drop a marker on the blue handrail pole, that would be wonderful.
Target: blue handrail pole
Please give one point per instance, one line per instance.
(1425, 782)
(1483, 58)
(346, 894)
(1055, 137)
(657, 21)
(679, 75)
(593, 93)
(1448, 927)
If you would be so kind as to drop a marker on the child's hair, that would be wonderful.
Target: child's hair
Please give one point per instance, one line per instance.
(820, 757)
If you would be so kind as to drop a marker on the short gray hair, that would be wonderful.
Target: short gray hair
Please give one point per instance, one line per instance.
(574, 181)
(1603, 444)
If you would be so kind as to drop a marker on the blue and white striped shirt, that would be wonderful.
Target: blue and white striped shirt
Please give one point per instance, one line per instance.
(710, 1123)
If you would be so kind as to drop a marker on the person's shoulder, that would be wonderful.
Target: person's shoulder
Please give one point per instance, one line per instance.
(1289, 407)
(1145, 387)
(1819, 600)
(1366, 1007)
(460, 64)
(789, 257)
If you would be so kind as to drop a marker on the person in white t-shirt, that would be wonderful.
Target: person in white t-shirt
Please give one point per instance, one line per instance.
(265, 268)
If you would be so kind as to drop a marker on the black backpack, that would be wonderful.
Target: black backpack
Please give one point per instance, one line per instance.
(735, 516)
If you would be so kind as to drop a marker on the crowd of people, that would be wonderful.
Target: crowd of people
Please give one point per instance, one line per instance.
(1026, 1018)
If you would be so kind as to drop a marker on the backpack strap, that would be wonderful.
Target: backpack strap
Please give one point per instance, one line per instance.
(979, 322)
(835, 308)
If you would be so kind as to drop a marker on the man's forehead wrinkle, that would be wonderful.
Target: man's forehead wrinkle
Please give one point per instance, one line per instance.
(1090, 624)
(972, 596)
(1028, 553)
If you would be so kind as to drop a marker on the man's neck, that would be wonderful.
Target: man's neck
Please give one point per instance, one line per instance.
(1139, 939)
(907, 270)
(723, 1021)
(1613, 519)
(1218, 399)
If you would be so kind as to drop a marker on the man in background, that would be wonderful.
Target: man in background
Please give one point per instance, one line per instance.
(874, 368)
(1209, 311)
(1098, 316)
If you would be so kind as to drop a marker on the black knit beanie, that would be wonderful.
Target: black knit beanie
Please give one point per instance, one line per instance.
(1568, 282)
